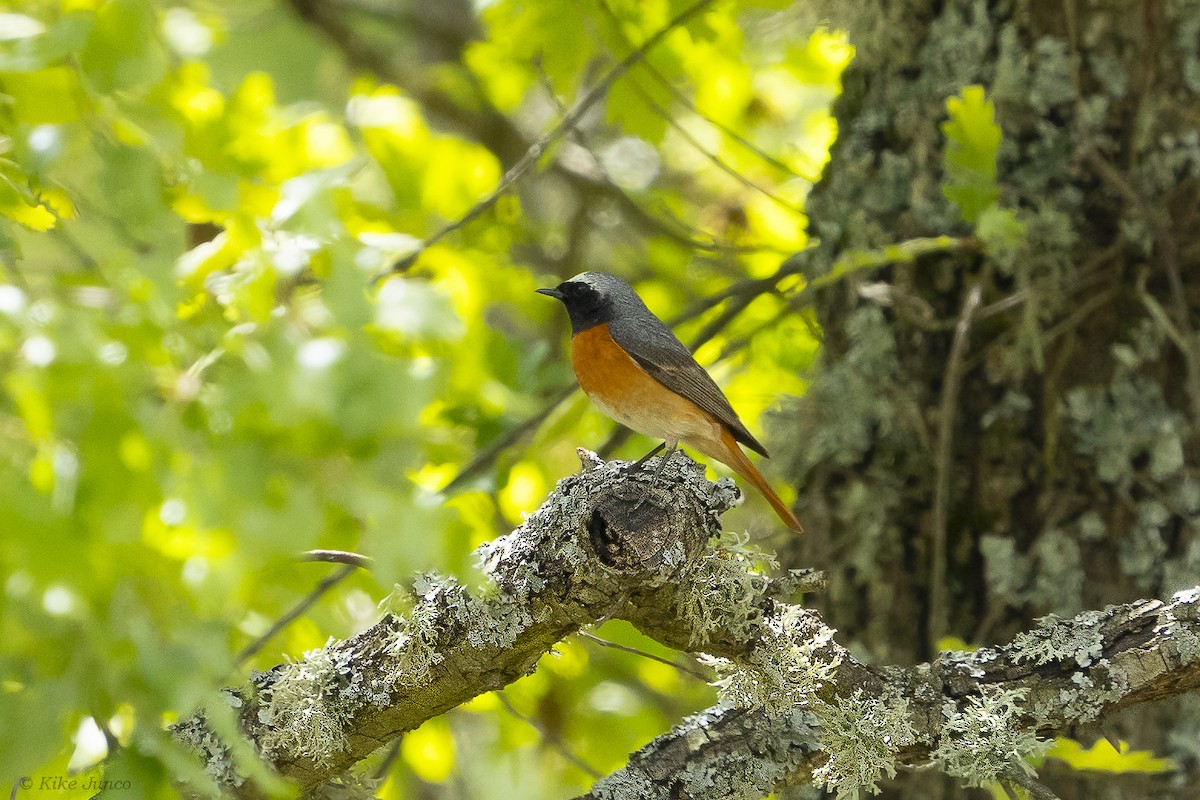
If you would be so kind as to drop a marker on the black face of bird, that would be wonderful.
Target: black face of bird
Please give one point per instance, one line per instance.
(586, 305)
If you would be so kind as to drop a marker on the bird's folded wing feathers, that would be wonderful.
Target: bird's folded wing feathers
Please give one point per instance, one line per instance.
(656, 349)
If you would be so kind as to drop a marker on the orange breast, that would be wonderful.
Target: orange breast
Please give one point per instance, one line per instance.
(624, 391)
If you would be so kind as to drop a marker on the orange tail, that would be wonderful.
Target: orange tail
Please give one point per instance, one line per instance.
(728, 452)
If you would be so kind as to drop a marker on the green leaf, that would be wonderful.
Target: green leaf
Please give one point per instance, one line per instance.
(34, 52)
(123, 50)
(18, 204)
(46, 97)
(973, 139)
(1101, 757)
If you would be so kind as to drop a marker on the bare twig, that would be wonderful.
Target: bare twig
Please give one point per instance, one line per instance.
(550, 738)
(684, 101)
(695, 673)
(327, 583)
(686, 236)
(338, 557)
(1168, 249)
(713, 158)
(485, 457)
(1036, 789)
(947, 413)
(538, 148)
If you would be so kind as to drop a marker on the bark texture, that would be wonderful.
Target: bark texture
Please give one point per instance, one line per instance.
(1124, 655)
(998, 435)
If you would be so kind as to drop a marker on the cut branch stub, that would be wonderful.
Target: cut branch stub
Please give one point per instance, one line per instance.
(628, 533)
(638, 523)
(604, 540)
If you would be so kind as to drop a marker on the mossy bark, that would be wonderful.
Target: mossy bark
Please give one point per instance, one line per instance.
(1063, 473)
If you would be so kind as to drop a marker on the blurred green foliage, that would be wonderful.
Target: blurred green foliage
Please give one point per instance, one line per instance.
(197, 381)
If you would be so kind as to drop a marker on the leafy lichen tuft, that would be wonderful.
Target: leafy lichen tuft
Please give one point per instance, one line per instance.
(861, 736)
(984, 739)
(1054, 639)
(725, 592)
(306, 713)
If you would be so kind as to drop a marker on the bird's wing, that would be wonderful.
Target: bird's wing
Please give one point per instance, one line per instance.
(652, 345)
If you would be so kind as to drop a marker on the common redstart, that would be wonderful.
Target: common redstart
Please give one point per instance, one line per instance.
(635, 371)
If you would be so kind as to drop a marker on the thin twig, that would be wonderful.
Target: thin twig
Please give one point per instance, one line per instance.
(713, 158)
(77, 250)
(1000, 306)
(695, 673)
(538, 148)
(327, 583)
(791, 266)
(484, 458)
(947, 413)
(550, 738)
(686, 236)
(1037, 790)
(734, 346)
(684, 101)
(1050, 335)
(385, 766)
(338, 557)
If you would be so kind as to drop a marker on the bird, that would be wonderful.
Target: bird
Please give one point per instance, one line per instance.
(633, 368)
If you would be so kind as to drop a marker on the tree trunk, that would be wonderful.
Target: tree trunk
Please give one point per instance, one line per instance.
(995, 436)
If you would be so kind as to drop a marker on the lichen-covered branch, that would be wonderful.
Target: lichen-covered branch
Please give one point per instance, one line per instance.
(604, 544)
(975, 714)
(796, 704)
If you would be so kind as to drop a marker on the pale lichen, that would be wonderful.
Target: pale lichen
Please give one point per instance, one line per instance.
(414, 646)
(1078, 639)
(787, 668)
(1182, 641)
(1187, 596)
(861, 736)
(199, 737)
(725, 591)
(1122, 423)
(1058, 581)
(984, 739)
(305, 712)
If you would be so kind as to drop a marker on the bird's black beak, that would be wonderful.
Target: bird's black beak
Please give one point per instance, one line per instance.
(555, 293)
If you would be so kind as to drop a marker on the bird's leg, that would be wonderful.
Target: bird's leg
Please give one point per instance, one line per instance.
(635, 466)
(662, 462)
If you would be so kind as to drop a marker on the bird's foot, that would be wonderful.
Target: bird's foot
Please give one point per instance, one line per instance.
(634, 467)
